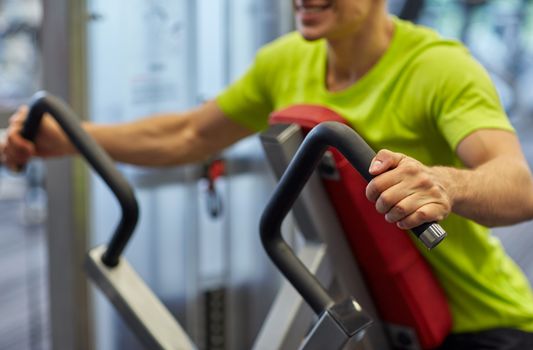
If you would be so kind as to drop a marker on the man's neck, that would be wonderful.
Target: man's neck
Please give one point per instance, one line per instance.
(351, 58)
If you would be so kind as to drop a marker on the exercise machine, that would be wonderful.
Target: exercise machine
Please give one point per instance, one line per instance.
(340, 323)
(362, 248)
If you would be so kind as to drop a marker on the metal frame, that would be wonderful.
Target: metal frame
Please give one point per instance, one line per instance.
(63, 43)
(145, 313)
(315, 217)
(339, 323)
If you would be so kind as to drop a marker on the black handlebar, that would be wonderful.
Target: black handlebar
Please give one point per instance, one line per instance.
(306, 159)
(44, 103)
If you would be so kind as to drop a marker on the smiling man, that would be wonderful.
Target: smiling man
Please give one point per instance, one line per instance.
(448, 152)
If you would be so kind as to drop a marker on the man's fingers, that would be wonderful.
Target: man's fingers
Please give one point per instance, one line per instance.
(17, 151)
(19, 116)
(387, 174)
(378, 186)
(393, 196)
(383, 161)
(405, 191)
(427, 213)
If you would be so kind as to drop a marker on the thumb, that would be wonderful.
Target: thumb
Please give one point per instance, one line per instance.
(383, 161)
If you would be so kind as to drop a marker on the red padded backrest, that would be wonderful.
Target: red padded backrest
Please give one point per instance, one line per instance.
(400, 280)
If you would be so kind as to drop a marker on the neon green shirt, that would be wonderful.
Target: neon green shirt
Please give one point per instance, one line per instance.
(421, 98)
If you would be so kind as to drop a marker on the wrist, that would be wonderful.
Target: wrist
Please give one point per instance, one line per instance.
(450, 179)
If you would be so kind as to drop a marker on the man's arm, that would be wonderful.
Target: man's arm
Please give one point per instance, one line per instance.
(495, 190)
(159, 140)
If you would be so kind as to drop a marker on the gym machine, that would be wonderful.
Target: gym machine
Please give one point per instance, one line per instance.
(362, 248)
(339, 324)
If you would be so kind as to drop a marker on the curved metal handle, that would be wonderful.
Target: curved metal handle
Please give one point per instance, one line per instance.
(44, 103)
(307, 158)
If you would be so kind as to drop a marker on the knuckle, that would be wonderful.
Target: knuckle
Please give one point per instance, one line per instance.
(380, 206)
(425, 181)
(423, 215)
(399, 210)
(406, 223)
(371, 192)
(374, 190)
(382, 152)
(435, 191)
(385, 199)
(409, 168)
(378, 185)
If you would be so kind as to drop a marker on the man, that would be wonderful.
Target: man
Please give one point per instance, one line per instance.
(448, 153)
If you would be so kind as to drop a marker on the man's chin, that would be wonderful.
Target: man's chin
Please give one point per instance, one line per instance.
(311, 35)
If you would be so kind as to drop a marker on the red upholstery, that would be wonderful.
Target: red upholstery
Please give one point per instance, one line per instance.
(400, 280)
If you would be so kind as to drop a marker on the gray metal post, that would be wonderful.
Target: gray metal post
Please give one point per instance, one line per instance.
(63, 49)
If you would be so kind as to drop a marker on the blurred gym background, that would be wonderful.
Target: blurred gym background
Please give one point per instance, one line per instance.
(198, 248)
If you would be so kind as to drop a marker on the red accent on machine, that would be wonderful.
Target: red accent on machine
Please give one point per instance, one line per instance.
(403, 287)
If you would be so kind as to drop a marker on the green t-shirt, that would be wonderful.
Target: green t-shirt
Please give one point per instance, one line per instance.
(421, 98)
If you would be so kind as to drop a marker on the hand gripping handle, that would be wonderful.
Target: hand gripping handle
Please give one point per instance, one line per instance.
(42, 103)
(306, 159)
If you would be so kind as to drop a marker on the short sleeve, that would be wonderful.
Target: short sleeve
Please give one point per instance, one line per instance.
(247, 100)
(465, 99)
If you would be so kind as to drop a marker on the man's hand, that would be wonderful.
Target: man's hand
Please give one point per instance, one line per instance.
(406, 191)
(50, 141)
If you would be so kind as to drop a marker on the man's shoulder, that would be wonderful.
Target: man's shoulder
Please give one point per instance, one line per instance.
(429, 51)
(450, 64)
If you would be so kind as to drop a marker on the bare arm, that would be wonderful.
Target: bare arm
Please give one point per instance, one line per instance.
(499, 188)
(158, 140)
(495, 190)
(170, 139)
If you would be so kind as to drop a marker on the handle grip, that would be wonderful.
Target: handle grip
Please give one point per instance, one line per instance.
(42, 103)
(360, 155)
(306, 159)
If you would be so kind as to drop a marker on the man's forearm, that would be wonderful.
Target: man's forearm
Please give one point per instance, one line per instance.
(497, 193)
(156, 141)
(170, 139)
